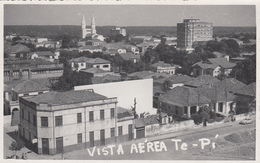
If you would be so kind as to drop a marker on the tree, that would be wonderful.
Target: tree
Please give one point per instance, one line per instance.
(15, 146)
(166, 85)
(244, 104)
(245, 71)
(214, 45)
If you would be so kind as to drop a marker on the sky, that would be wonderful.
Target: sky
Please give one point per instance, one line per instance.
(129, 15)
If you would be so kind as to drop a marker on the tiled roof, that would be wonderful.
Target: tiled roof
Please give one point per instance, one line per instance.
(89, 47)
(98, 61)
(80, 59)
(63, 98)
(43, 53)
(202, 81)
(184, 96)
(176, 79)
(141, 74)
(231, 84)
(89, 60)
(222, 62)
(218, 54)
(94, 70)
(216, 93)
(248, 90)
(122, 112)
(139, 123)
(157, 89)
(162, 64)
(205, 65)
(18, 48)
(30, 86)
(129, 56)
(142, 122)
(105, 79)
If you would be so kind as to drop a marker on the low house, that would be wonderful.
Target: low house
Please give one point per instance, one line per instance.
(174, 80)
(125, 123)
(45, 55)
(106, 79)
(147, 75)
(213, 67)
(90, 49)
(48, 44)
(86, 63)
(182, 101)
(18, 51)
(162, 67)
(12, 92)
(130, 57)
(96, 72)
(145, 126)
(202, 81)
(94, 42)
(247, 90)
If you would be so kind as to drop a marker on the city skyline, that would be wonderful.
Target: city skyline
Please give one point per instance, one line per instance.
(120, 15)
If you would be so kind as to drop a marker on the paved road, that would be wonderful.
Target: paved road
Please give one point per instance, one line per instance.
(159, 147)
(165, 148)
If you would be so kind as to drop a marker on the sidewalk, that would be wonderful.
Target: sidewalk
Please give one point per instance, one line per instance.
(185, 132)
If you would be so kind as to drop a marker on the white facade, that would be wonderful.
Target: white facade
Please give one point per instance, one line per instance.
(126, 92)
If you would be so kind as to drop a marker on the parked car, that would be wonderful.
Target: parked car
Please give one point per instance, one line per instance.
(246, 121)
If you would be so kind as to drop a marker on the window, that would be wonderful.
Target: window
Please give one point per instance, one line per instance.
(58, 120)
(29, 118)
(26, 94)
(44, 121)
(79, 138)
(22, 112)
(102, 116)
(79, 118)
(34, 120)
(112, 132)
(91, 116)
(120, 130)
(112, 112)
(105, 66)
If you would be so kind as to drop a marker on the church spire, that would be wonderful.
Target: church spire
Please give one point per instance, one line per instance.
(93, 25)
(83, 27)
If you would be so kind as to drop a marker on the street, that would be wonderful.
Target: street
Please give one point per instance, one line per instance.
(198, 143)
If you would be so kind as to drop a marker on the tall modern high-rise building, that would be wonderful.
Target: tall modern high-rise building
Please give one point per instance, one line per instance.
(193, 30)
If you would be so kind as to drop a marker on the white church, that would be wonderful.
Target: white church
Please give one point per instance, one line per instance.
(90, 32)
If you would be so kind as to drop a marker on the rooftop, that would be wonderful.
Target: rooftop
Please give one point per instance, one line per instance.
(248, 90)
(202, 81)
(129, 56)
(162, 64)
(43, 53)
(89, 60)
(30, 86)
(222, 62)
(122, 112)
(63, 98)
(94, 70)
(184, 96)
(105, 79)
(18, 48)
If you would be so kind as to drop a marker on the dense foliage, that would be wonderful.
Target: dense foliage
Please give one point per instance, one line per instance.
(245, 71)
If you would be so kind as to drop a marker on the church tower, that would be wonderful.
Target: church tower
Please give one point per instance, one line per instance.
(83, 27)
(93, 26)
